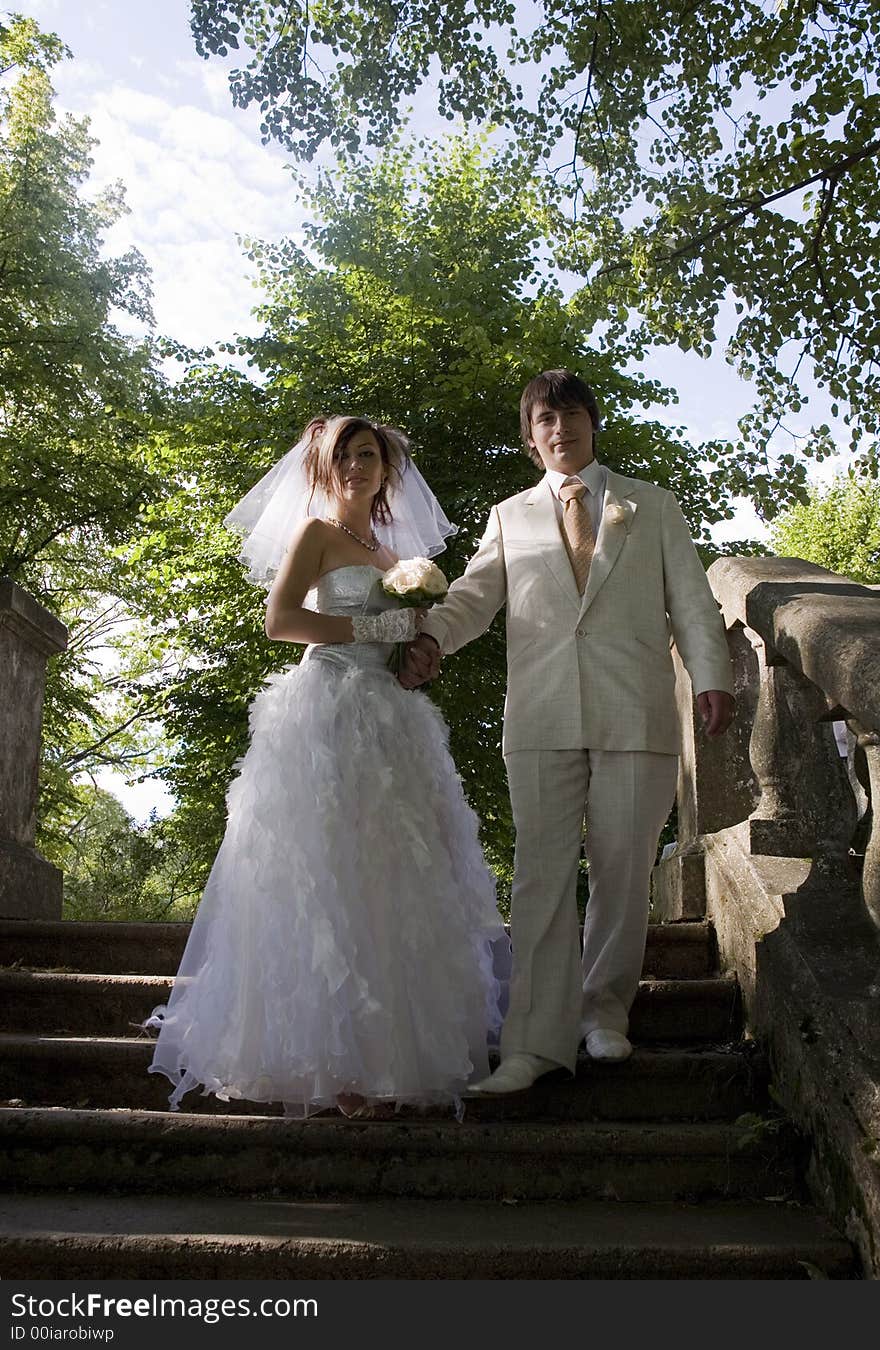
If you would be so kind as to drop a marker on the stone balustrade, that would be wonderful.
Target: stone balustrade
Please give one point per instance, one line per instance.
(771, 850)
(805, 646)
(30, 887)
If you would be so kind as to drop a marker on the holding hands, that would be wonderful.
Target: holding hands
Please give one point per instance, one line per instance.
(422, 662)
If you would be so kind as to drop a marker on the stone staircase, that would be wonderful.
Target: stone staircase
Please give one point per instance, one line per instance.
(669, 1166)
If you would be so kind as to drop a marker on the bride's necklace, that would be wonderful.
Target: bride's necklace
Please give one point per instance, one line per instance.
(373, 543)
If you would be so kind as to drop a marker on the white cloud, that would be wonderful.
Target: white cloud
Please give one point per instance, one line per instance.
(745, 524)
(139, 799)
(209, 76)
(194, 180)
(822, 474)
(83, 74)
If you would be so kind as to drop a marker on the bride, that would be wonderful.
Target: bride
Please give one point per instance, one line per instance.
(342, 951)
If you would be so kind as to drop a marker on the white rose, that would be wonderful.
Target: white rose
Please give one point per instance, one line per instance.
(434, 582)
(615, 515)
(415, 574)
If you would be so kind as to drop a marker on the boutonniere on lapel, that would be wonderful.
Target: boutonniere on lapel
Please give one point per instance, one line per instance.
(617, 515)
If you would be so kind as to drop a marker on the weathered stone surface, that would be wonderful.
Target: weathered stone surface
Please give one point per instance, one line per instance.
(808, 964)
(807, 807)
(678, 886)
(869, 746)
(825, 625)
(57, 1236)
(20, 612)
(716, 785)
(709, 1083)
(29, 886)
(827, 1082)
(111, 1005)
(744, 899)
(22, 682)
(668, 1122)
(539, 1160)
(818, 640)
(776, 825)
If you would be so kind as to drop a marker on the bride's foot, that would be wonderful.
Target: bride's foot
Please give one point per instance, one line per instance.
(381, 1111)
(355, 1107)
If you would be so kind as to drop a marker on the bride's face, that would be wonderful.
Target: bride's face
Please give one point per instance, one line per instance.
(359, 468)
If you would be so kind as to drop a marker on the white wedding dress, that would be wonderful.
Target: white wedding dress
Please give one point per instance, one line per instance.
(344, 941)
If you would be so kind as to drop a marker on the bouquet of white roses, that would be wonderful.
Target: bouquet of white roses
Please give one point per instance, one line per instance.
(416, 583)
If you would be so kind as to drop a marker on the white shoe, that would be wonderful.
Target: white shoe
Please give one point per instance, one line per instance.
(515, 1074)
(608, 1045)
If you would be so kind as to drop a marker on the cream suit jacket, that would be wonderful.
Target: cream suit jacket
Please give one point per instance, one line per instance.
(596, 670)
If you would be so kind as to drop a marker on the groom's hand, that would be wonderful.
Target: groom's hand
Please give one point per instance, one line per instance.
(421, 662)
(716, 707)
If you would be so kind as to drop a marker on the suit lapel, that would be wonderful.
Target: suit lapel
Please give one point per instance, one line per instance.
(544, 529)
(617, 517)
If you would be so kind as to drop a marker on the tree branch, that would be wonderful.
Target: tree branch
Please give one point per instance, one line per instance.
(143, 711)
(832, 172)
(828, 190)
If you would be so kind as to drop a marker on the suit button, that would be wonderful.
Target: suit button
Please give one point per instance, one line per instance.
(581, 633)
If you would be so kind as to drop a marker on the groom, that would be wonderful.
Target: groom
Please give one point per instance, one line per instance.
(599, 574)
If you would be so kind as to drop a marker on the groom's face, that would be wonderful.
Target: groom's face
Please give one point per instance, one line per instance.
(563, 437)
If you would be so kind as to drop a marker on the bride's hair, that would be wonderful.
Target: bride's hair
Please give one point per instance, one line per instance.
(325, 436)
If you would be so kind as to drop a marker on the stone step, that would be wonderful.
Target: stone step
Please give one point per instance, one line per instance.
(54, 1236)
(115, 1005)
(675, 951)
(659, 1083)
(145, 1151)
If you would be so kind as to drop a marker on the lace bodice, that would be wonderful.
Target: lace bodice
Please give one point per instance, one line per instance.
(352, 590)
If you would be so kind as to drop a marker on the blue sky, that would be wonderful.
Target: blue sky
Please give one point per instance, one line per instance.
(196, 175)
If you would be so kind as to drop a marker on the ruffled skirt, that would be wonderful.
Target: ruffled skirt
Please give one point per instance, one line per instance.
(344, 942)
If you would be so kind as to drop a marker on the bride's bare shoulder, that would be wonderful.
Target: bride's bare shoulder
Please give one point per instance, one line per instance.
(310, 536)
(313, 527)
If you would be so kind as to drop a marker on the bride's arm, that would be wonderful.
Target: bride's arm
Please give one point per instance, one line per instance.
(286, 619)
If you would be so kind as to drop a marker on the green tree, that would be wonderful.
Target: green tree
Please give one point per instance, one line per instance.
(76, 400)
(838, 528)
(716, 165)
(421, 296)
(117, 869)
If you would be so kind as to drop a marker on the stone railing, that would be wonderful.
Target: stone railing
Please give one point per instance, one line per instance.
(30, 887)
(778, 846)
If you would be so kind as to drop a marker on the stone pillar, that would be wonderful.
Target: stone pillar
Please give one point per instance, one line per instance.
(777, 826)
(30, 887)
(716, 785)
(869, 743)
(807, 808)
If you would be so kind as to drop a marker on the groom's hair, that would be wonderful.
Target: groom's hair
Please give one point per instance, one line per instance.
(554, 389)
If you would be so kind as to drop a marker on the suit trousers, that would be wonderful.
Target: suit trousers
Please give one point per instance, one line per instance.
(623, 797)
